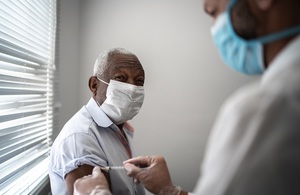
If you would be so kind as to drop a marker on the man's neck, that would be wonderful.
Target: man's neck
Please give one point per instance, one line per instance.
(271, 50)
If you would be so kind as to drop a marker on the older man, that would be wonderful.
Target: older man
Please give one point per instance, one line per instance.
(98, 134)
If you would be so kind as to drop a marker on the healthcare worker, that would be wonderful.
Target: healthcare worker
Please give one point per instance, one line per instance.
(255, 143)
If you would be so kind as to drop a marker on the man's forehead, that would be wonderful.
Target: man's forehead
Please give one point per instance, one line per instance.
(124, 61)
(119, 66)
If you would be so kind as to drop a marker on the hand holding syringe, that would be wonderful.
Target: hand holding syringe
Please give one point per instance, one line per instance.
(153, 173)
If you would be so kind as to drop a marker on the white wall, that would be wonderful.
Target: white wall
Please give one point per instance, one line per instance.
(67, 58)
(186, 82)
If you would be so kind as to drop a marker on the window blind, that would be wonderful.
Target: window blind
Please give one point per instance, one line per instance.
(27, 45)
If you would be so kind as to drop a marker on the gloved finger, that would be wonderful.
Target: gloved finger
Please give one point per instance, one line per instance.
(141, 161)
(96, 171)
(131, 169)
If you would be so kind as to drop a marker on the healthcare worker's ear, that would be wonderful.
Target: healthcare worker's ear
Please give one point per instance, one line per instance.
(264, 5)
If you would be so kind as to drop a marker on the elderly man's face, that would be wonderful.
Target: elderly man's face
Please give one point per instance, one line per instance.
(124, 68)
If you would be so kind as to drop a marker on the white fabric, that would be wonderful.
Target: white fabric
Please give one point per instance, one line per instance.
(255, 143)
(89, 138)
(123, 101)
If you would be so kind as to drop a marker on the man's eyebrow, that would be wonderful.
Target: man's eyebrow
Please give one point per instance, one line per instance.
(130, 66)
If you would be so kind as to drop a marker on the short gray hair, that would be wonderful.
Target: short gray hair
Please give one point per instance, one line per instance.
(101, 63)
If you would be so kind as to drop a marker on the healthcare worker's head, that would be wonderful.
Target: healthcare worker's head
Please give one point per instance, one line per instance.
(117, 84)
(250, 33)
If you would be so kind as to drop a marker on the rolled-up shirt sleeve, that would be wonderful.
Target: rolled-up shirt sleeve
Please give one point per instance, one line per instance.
(79, 149)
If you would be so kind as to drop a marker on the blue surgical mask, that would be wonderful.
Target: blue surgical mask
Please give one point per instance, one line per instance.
(244, 56)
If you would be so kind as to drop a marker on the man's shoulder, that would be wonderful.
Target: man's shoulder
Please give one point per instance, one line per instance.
(77, 124)
(80, 120)
(243, 96)
(257, 99)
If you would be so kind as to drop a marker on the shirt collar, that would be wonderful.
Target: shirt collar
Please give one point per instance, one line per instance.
(97, 114)
(287, 57)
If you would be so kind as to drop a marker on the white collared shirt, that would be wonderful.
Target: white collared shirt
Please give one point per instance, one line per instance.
(89, 138)
(255, 144)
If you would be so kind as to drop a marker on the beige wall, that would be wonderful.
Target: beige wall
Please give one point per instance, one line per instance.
(186, 82)
(67, 58)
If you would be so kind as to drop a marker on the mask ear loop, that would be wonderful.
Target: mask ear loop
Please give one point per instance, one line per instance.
(102, 81)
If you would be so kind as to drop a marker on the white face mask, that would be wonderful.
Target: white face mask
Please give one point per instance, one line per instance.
(123, 101)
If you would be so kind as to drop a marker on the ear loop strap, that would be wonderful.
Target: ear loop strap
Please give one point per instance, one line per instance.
(264, 39)
(102, 81)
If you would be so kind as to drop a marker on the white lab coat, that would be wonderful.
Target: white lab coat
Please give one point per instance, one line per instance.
(254, 148)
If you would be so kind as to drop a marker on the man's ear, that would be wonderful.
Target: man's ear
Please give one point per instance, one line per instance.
(93, 84)
(264, 5)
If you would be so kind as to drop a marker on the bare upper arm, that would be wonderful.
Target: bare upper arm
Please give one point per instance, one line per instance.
(81, 171)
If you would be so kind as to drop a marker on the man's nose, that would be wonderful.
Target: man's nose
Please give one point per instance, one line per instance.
(131, 81)
(210, 8)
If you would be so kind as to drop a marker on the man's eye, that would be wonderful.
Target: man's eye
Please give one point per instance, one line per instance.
(120, 78)
(140, 82)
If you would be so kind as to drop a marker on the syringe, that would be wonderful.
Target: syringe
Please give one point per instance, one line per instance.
(109, 168)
